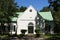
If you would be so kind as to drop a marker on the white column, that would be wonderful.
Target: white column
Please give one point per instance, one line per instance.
(43, 26)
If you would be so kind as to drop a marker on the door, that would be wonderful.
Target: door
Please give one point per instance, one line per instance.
(30, 28)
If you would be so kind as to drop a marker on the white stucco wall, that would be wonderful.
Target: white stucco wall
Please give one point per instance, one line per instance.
(24, 25)
(27, 14)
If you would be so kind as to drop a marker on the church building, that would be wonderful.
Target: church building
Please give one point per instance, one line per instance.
(30, 20)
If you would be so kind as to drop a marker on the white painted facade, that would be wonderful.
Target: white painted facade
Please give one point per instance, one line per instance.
(25, 19)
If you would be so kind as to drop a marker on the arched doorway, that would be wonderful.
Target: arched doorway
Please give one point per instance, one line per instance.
(30, 27)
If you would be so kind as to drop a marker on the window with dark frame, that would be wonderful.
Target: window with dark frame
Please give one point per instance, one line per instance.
(30, 10)
(30, 27)
(14, 27)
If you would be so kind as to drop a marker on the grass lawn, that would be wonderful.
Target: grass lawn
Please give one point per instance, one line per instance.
(51, 36)
(3, 36)
(43, 36)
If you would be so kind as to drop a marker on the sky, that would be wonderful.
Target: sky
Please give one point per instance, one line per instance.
(37, 4)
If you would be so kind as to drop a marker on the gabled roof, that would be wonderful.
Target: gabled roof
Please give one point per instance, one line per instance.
(29, 14)
(19, 13)
(14, 19)
(46, 15)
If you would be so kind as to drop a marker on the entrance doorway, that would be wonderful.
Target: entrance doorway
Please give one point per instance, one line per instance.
(30, 27)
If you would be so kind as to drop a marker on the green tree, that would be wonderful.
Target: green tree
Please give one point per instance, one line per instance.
(7, 10)
(55, 4)
(45, 9)
(22, 8)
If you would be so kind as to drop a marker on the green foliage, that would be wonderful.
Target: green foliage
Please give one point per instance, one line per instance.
(12, 35)
(3, 36)
(45, 9)
(54, 7)
(56, 16)
(52, 36)
(21, 35)
(22, 9)
(23, 32)
(37, 32)
(55, 4)
(7, 10)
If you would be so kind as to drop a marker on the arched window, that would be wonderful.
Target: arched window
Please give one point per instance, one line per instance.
(14, 27)
(30, 24)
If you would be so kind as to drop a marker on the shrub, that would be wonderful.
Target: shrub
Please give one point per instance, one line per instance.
(12, 35)
(21, 35)
(23, 31)
(37, 32)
